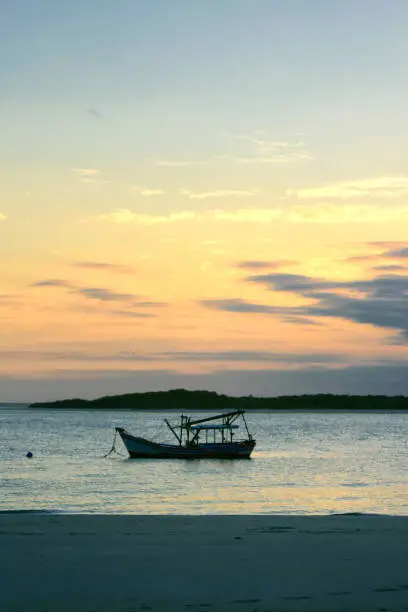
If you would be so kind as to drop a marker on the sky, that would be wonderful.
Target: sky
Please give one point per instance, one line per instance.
(208, 195)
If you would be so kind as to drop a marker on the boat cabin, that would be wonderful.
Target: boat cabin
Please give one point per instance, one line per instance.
(225, 432)
(201, 431)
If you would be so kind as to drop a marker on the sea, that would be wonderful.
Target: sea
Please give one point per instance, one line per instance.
(316, 462)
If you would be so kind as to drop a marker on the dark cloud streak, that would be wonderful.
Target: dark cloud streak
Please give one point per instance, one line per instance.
(103, 266)
(258, 264)
(388, 268)
(101, 294)
(104, 295)
(398, 253)
(394, 251)
(51, 282)
(238, 305)
(382, 301)
(295, 359)
(391, 379)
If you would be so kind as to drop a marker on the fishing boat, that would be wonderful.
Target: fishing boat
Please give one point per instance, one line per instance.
(209, 438)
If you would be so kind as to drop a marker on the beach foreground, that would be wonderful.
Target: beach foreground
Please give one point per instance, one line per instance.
(94, 563)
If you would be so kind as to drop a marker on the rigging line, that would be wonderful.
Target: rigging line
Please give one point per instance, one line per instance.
(158, 431)
(113, 449)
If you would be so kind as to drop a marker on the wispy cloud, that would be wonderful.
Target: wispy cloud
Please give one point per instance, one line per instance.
(121, 215)
(94, 293)
(132, 314)
(124, 215)
(277, 152)
(220, 193)
(239, 305)
(147, 192)
(103, 266)
(401, 253)
(3, 217)
(340, 214)
(391, 252)
(7, 299)
(104, 295)
(248, 215)
(318, 214)
(179, 163)
(264, 151)
(86, 172)
(94, 113)
(244, 215)
(51, 282)
(257, 264)
(387, 244)
(254, 356)
(389, 268)
(130, 301)
(388, 186)
(256, 150)
(247, 356)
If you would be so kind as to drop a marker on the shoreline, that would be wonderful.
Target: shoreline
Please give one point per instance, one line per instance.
(270, 515)
(249, 411)
(124, 563)
(183, 400)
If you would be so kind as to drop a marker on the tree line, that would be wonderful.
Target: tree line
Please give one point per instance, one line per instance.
(184, 400)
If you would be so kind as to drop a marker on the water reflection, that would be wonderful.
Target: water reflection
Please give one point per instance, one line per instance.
(303, 464)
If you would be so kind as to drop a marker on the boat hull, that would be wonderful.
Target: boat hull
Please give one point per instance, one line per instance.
(140, 448)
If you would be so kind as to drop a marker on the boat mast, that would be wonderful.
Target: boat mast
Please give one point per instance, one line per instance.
(246, 427)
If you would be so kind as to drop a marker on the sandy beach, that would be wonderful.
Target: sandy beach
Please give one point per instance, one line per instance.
(97, 563)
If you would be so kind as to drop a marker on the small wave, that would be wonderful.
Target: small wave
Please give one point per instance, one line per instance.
(356, 514)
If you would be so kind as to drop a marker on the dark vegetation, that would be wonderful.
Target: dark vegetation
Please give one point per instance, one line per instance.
(183, 400)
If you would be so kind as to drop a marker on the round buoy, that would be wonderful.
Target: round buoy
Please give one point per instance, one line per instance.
(29, 454)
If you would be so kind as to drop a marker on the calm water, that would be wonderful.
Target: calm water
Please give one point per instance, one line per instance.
(309, 463)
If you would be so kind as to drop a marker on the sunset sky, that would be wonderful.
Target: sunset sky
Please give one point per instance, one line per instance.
(203, 194)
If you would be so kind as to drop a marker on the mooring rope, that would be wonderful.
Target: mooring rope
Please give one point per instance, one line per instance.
(113, 449)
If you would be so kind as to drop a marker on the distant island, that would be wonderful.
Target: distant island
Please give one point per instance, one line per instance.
(183, 400)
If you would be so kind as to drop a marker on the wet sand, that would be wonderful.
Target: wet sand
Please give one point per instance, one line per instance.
(271, 563)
